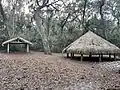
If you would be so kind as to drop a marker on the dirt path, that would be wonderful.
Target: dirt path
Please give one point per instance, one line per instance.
(37, 71)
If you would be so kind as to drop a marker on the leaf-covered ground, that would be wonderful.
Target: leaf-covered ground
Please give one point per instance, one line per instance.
(37, 71)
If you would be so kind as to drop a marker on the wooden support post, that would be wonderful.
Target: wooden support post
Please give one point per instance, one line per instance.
(81, 57)
(114, 57)
(8, 48)
(90, 55)
(27, 47)
(67, 55)
(73, 55)
(99, 57)
(110, 56)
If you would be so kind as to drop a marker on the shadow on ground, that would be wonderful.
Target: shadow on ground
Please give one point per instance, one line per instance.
(93, 59)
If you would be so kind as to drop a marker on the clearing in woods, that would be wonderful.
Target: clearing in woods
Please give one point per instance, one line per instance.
(37, 71)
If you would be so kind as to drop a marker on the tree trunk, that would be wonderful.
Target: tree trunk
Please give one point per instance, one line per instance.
(2, 11)
(41, 31)
(83, 15)
(102, 3)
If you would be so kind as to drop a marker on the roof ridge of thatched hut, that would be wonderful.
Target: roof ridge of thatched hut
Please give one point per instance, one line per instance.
(13, 39)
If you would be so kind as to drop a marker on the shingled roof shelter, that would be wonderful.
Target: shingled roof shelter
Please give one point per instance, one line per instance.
(17, 40)
(91, 44)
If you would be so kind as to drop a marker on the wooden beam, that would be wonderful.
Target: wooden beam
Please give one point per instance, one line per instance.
(17, 43)
(8, 48)
(81, 57)
(27, 47)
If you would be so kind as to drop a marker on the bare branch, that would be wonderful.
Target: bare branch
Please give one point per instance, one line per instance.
(102, 2)
(63, 3)
(38, 3)
(55, 8)
(65, 21)
(45, 4)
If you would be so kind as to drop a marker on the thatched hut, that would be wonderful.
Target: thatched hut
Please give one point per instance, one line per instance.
(91, 44)
(17, 40)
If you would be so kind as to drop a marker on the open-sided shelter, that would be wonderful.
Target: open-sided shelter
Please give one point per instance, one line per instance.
(91, 44)
(17, 40)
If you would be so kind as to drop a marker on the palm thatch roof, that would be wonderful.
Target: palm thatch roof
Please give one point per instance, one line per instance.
(91, 43)
(19, 39)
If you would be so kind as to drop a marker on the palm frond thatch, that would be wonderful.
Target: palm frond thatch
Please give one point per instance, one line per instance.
(91, 43)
